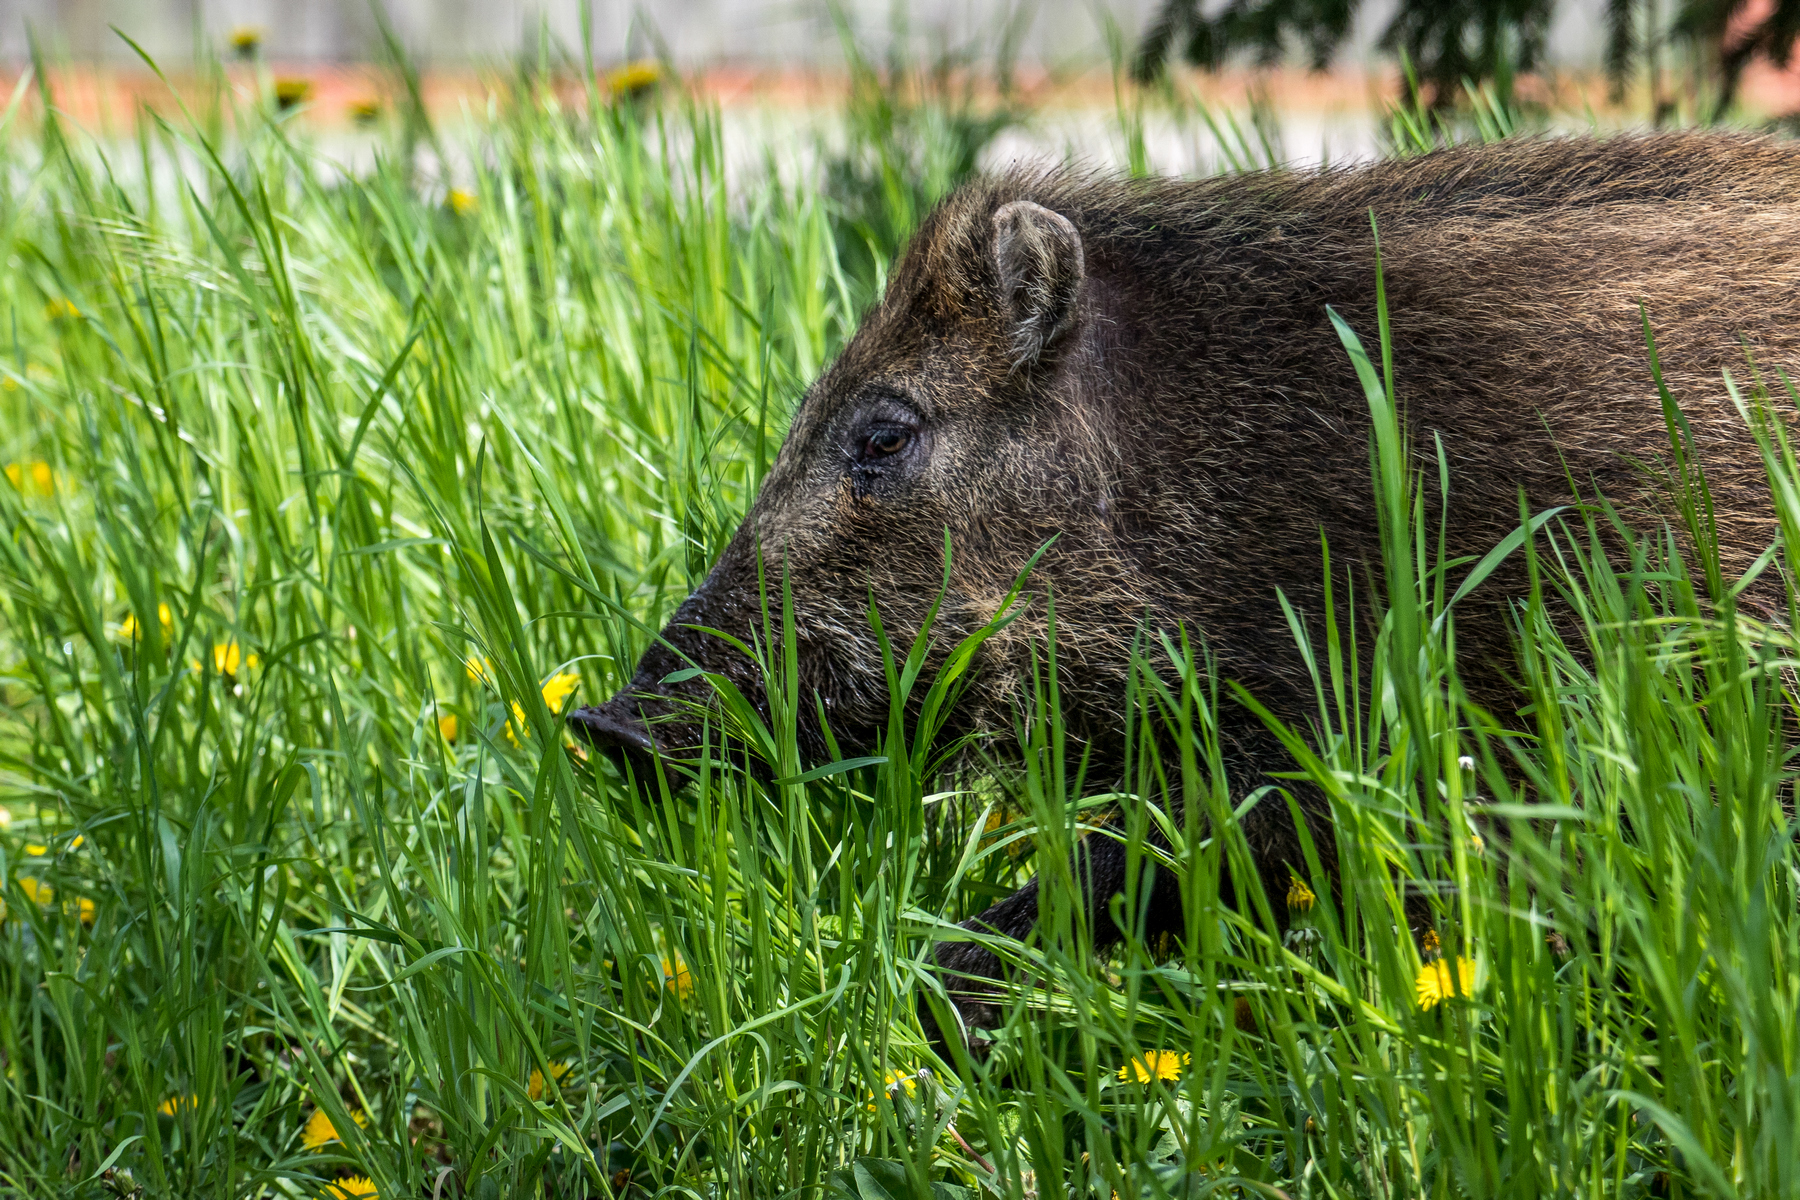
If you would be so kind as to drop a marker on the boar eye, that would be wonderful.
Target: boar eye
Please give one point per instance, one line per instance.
(885, 440)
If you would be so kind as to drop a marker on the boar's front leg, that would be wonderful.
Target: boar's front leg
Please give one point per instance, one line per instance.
(971, 972)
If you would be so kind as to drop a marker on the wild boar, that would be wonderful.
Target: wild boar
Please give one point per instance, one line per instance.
(1143, 374)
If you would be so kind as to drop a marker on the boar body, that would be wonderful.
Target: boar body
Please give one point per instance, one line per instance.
(1144, 374)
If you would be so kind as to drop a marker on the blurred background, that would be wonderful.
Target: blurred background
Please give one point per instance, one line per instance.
(1316, 78)
(1309, 80)
(770, 33)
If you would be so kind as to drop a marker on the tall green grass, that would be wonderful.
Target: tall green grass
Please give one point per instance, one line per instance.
(394, 461)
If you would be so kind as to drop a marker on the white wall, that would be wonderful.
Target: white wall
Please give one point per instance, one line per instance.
(694, 31)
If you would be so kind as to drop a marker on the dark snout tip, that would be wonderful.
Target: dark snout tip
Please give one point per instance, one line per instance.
(609, 727)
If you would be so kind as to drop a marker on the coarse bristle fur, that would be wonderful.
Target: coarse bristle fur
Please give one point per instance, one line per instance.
(1145, 373)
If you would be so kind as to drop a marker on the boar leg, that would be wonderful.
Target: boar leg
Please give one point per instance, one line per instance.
(971, 971)
(968, 967)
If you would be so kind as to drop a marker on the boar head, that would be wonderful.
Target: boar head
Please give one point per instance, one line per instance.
(962, 406)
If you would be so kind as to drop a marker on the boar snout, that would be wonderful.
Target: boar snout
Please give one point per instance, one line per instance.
(613, 727)
(660, 712)
(633, 727)
(617, 729)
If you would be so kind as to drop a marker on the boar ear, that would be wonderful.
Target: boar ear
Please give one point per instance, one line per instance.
(1038, 253)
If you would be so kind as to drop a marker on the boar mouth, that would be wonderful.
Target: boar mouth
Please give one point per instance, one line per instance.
(638, 729)
(617, 730)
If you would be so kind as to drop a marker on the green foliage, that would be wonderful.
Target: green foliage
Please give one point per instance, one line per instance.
(913, 130)
(398, 467)
(1467, 43)
(882, 1179)
(1473, 40)
(1722, 37)
(1488, 114)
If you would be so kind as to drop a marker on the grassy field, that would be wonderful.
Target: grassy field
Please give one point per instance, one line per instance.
(324, 496)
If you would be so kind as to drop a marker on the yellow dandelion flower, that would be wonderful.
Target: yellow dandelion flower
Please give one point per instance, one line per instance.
(130, 630)
(479, 670)
(991, 826)
(44, 896)
(227, 658)
(61, 310)
(997, 820)
(893, 1083)
(36, 849)
(176, 1104)
(245, 39)
(634, 79)
(1429, 945)
(290, 92)
(556, 691)
(558, 688)
(462, 203)
(365, 112)
(356, 1187)
(447, 727)
(1300, 898)
(558, 1072)
(1477, 846)
(1438, 982)
(319, 1132)
(677, 978)
(1156, 1064)
(32, 478)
